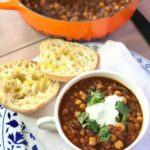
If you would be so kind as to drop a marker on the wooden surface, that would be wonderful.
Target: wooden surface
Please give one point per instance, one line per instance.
(20, 41)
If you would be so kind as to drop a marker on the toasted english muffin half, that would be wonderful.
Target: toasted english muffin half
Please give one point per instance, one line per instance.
(62, 60)
(23, 88)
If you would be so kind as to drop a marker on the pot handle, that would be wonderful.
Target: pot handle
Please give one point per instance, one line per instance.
(10, 4)
(45, 120)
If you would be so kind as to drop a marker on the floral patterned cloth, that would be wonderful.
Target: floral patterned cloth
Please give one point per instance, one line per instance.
(14, 134)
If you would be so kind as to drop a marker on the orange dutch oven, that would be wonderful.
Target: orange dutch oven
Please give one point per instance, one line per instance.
(78, 30)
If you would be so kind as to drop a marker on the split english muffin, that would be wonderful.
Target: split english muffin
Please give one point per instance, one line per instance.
(24, 88)
(61, 60)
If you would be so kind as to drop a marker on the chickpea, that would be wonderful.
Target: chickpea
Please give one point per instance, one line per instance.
(117, 92)
(51, 6)
(76, 114)
(107, 8)
(110, 88)
(81, 93)
(82, 106)
(101, 4)
(124, 100)
(75, 18)
(137, 126)
(122, 7)
(76, 94)
(56, 5)
(85, 14)
(118, 144)
(94, 17)
(116, 7)
(140, 119)
(120, 126)
(65, 128)
(83, 97)
(113, 138)
(78, 102)
(63, 17)
(92, 141)
(100, 86)
(82, 132)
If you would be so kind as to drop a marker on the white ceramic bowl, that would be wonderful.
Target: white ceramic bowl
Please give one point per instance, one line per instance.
(107, 74)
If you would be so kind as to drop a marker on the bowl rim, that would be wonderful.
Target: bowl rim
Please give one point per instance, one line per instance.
(142, 100)
(68, 21)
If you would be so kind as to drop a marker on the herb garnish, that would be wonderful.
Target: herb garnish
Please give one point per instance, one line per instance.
(95, 97)
(84, 119)
(91, 124)
(104, 134)
(123, 110)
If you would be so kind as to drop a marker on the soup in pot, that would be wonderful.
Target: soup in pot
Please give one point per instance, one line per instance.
(76, 10)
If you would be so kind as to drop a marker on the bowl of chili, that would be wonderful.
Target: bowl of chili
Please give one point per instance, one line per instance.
(100, 110)
(85, 20)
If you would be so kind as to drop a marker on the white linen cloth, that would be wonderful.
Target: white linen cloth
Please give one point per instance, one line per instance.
(113, 56)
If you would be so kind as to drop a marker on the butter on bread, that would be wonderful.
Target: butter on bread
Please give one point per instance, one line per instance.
(62, 60)
(23, 88)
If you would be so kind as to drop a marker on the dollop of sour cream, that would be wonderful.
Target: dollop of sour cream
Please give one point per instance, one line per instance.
(104, 113)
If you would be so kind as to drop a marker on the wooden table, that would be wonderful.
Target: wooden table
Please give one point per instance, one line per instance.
(20, 41)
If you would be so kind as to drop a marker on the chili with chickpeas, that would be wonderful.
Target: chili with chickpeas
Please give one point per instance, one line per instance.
(87, 133)
(76, 10)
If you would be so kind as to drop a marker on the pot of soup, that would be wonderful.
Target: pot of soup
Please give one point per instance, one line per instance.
(74, 20)
(100, 110)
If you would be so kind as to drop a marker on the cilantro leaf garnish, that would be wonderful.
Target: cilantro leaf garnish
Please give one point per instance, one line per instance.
(84, 119)
(88, 100)
(92, 124)
(86, 122)
(123, 110)
(95, 97)
(82, 116)
(104, 134)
